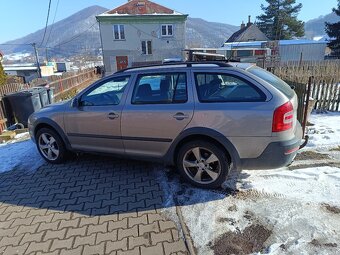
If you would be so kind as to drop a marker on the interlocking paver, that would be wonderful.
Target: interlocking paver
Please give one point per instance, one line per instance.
(117, 245)
(76, 251)
(153, 250)
(15, 249)
(135, 251)
(8, 231)
(11, 240)
(122, 233)
(173, 247)
(28, 237)
(88, 221)
(53, 234)
(138, 220)
(101, 228)
(60, 244)
(85, 206)
(68, 223)
(108, 236)
(95, 249)
(45, 218)
(148, 228)
(108, 218)
(83, 240)
(161, 237)
(48, 226)
(164, 225)
(38, 246)
(24, 221)
(139, 241)
(130, 214)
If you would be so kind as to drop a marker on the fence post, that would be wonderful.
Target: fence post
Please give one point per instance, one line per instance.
(304, 123)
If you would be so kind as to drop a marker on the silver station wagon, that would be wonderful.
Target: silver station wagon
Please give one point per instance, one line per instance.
(203, 118)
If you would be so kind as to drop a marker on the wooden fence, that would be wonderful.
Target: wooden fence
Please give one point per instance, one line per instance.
(63, 84)
(325, 83)
(59, 84)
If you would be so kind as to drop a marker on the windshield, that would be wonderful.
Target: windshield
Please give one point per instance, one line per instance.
(273, 80)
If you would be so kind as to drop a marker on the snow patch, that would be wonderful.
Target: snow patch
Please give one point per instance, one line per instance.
(326, 130)
(20, 156)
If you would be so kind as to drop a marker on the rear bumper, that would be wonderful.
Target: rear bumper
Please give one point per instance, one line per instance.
(276, 155)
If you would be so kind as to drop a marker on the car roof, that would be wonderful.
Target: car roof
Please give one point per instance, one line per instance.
(244, 66)
(214, 64)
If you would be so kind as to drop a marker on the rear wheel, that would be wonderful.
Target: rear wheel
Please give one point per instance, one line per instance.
(203, 164)
(50, 146)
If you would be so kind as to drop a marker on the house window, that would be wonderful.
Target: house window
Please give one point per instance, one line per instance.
(119, 32)
(146, 47)
(167, 30)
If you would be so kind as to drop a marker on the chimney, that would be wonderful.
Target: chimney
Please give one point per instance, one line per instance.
(249, 23)
(243, 25)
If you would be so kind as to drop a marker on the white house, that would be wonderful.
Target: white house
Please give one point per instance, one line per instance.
(140, 32)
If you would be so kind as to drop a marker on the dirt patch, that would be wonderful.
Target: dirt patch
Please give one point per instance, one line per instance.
(307, 155)
(332, 164)
(332, 209)
(317, 243)
(249, 241)
(230, 221)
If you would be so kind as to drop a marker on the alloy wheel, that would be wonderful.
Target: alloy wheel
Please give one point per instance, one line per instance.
(48, 146)
(201, 165)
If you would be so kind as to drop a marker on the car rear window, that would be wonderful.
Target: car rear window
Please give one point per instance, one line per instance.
(273, 80)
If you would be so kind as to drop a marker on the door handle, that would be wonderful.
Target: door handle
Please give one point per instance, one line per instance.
(181, 116)
(112, 115)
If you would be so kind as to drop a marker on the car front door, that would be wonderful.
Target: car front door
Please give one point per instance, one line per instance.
(158, 108)
(94, 124)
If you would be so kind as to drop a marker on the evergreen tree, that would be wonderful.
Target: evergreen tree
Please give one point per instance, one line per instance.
(279, 21)
(2, 75)
(333, 31)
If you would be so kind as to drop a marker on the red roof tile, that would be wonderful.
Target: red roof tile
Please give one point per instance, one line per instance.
(141, 7)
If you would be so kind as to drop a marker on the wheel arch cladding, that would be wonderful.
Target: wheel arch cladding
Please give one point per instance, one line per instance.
(207, 134)
(48, 123)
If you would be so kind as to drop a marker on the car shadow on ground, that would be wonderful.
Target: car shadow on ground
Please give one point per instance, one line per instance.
(95, 186)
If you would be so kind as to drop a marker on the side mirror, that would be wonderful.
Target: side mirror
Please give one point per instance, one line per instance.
(75, 102)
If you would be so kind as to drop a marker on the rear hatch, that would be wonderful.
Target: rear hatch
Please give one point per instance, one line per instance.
(278, 84)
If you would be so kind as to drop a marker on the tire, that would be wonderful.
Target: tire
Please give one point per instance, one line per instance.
(50, 146)
(203, 164)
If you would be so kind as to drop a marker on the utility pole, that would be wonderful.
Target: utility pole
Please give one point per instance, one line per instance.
(46, 56)
(37, 59)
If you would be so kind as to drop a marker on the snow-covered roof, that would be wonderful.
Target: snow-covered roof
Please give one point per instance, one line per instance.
(139, 7)
(281, 43)
(20, 68)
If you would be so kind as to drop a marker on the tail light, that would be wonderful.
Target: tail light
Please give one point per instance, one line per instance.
(283, 117)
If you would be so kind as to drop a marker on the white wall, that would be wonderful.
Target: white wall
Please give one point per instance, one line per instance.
(162, 47)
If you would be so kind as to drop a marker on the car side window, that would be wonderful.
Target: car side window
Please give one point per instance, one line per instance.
(167, 88)
(220, 87)
(109, 92)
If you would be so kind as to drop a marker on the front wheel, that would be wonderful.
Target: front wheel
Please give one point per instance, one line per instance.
(203, 164)
(50, 146)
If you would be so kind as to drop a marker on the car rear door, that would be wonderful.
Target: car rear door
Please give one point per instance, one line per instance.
(159, 106)
(234, 105)
(94, 125)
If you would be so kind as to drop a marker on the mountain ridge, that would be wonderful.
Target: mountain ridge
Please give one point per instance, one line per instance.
(79, 33)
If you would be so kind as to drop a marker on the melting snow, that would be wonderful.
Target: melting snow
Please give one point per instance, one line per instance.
(19, 156)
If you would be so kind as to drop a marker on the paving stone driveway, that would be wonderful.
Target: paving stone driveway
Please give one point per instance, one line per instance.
(91, 205)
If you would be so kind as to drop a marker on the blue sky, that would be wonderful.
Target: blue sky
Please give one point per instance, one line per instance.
(21, 17)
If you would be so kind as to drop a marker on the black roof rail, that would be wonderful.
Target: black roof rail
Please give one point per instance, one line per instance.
(189, 64)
